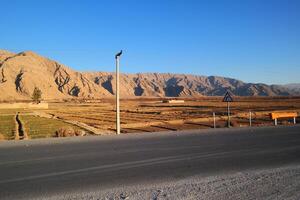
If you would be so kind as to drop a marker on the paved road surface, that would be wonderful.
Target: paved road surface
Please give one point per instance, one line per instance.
(39, 168)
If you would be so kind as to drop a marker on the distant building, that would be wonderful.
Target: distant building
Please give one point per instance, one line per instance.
(173, 101)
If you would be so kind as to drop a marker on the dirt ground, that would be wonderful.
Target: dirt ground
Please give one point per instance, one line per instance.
(151, 114)
(278, 183)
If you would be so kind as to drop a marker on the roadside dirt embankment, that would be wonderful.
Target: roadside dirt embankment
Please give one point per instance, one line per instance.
(274, 183)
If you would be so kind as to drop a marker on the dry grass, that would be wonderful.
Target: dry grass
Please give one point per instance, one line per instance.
(142, 115)
(147, 115)
(7, 126)
(2, 137)
(38, 127)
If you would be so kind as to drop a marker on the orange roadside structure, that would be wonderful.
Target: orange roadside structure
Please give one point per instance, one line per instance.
(276, 115)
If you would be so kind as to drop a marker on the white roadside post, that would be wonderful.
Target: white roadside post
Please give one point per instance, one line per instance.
(250, 118)
(294, 120)
(118, 128)
(275, 121)
(214, 116)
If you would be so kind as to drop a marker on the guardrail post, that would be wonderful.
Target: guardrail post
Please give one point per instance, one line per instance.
(275, 121)
(294, 120)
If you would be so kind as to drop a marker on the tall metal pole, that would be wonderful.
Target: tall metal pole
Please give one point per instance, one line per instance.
(118, 128)
(228, 111)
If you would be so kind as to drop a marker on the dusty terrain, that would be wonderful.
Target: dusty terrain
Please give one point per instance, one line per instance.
(145, 115)
(278, 183)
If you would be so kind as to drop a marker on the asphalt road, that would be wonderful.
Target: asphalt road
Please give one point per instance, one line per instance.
(40, 168)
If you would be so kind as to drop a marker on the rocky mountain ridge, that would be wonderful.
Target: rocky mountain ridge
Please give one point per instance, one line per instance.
(294, 87)
(20, 73)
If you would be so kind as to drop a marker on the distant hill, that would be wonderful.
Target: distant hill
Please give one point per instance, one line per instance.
(294, 87)
(20, 73)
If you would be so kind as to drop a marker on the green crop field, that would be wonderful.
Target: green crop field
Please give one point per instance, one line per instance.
(38, 127)
(7, 126)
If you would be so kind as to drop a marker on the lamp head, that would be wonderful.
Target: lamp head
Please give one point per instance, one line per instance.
(119, 54)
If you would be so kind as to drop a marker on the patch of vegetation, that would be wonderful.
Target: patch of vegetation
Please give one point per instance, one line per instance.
(69, 132)
(38, 127)
(7, 126)
(36, 95)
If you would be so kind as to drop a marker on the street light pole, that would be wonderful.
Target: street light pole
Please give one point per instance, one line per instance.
(118, 129)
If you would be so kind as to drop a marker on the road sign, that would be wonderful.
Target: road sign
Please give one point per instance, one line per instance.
(228, 97)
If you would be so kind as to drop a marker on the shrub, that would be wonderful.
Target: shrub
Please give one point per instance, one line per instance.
(36, 95)
(65, 132)
(69, 132)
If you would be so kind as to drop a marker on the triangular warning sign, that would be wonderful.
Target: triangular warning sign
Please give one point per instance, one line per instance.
(228, 97)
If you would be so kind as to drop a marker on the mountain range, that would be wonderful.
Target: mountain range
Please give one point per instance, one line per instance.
(21, 72)
(294, 87)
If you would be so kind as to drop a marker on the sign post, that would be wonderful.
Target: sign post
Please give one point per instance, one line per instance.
(228, 98)
(214, 116)
(250, 118)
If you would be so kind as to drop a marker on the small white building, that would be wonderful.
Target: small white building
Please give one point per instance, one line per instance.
(173, 101)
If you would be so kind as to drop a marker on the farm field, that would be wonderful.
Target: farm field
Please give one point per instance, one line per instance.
(32, 125)
(7, 126)
(146, 115)
(39, 127)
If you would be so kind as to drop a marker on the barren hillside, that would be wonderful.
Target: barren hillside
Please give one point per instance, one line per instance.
(20, 73)
(294, 87)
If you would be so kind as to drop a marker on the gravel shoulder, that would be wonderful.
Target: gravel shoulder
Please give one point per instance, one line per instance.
(277, 183)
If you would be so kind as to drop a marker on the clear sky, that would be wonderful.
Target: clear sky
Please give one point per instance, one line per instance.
(251, 40)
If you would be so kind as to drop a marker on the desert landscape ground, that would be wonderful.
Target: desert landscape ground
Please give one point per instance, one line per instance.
(141, 115)
(153, 99)
(82, 103)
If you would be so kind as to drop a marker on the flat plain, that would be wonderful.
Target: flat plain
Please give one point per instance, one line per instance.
(147, 115)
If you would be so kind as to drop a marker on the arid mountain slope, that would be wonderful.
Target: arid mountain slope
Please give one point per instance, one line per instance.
(177, 85)
(20, 73)
(294, 87)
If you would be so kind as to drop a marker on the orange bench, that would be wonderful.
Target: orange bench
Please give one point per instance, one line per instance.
(276, 115)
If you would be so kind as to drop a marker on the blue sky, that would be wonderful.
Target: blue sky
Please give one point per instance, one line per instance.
(254, 40)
